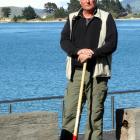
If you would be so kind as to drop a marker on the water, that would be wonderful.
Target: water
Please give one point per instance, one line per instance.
(32, 64)
(31, 60)
(126, 60)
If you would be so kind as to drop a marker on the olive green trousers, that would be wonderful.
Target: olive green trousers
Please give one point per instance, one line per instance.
(95, 91)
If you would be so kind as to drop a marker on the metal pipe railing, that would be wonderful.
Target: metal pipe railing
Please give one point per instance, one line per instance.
(113, 93)
(10, 102)
(30, 99)
(61, 97)
(124, 92)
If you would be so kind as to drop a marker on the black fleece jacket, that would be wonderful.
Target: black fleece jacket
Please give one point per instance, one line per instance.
(85, 34)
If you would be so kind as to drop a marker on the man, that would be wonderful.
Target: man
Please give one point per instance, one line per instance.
(89, 35)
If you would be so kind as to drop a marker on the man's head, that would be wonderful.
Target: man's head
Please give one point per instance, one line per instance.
(88, 4)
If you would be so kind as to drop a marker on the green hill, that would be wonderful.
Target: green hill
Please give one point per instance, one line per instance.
(135, 4)
(17, 11)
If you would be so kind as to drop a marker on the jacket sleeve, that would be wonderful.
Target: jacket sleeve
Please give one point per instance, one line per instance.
(65, 41)
(110, 41)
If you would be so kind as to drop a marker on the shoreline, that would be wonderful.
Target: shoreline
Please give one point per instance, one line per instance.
(33, 21)
(57, 20)
(128, 18)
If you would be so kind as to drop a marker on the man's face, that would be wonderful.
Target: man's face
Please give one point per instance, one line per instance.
(88, 4)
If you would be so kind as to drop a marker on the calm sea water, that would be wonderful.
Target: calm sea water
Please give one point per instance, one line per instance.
(32, 64)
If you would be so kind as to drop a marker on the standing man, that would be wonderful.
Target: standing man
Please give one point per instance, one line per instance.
(89, 35)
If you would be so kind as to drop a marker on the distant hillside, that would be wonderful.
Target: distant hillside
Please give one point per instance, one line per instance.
(135, 4)
(17, 11)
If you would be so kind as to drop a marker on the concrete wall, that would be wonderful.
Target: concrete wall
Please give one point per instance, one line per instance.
(29, 126)
(128, 124)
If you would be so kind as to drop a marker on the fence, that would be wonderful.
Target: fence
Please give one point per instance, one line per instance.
(112, 108)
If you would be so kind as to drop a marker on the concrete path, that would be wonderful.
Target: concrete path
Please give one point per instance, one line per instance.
(108, 135)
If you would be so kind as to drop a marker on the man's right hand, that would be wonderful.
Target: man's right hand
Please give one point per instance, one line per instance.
(84, 55)
(85, 51)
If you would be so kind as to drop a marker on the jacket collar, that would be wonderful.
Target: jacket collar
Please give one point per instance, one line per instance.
(98, 14)
(79, 13)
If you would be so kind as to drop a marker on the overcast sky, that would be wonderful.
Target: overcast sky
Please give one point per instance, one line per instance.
(33, 3)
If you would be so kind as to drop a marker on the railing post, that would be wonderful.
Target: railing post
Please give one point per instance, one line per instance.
(62, 109)
(112, 111)
(10, 108)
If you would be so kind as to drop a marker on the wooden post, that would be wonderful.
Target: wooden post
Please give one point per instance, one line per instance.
(128, 124)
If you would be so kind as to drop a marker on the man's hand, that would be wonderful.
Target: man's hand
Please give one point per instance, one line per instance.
(84, 54)
(85, 51)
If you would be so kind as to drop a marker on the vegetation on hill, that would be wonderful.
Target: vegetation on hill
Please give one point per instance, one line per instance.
(135, 5)
(6, 11)
(113, 6)
(29, 13)
(52, 11)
